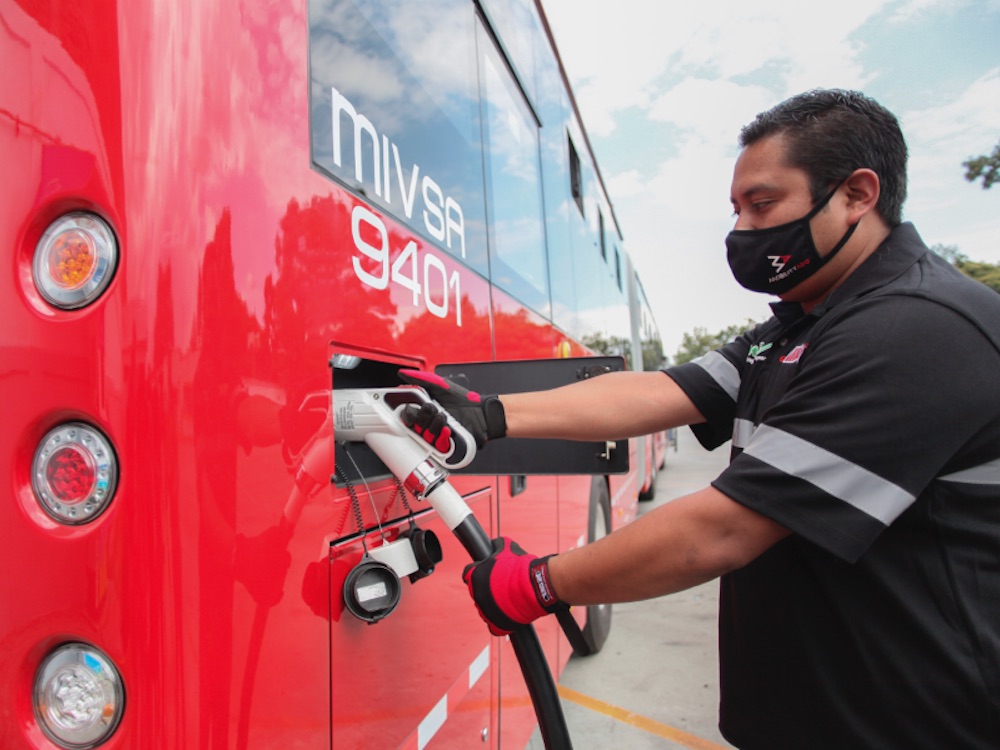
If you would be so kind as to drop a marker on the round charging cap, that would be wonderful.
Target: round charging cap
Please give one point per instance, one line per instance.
(371, 590)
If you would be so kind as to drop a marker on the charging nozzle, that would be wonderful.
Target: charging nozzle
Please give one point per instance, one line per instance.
(374, 416)
(359, 414)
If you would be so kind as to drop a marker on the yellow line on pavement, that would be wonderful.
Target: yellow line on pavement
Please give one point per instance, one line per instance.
(640, 722)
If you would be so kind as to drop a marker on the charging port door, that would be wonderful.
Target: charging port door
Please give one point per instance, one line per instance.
(520, 456)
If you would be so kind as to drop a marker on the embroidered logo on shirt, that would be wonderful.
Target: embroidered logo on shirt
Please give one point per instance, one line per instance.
(757, 352)
(794, 355)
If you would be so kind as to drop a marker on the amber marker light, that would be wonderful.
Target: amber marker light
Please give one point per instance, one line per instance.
(75, 260)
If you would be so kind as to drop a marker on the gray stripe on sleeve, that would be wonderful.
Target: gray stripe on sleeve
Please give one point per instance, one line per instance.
(853, 484)
(722, 371)
(743, 430)
(988, 473)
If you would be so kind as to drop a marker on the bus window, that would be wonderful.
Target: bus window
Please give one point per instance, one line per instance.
(516, 22)
(575, 175)
(397, 125)
(514, 187)
(600, 232)
(618, 270)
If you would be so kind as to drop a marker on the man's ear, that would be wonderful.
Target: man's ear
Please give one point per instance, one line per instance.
(863, 190)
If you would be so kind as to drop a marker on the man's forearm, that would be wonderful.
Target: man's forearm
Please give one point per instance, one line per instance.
(686, 542)
(609, 407)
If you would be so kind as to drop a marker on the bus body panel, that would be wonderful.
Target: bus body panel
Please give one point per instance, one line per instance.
(214, 579)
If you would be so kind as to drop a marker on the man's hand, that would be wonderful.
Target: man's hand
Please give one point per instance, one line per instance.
(482, 416)
(511, 587)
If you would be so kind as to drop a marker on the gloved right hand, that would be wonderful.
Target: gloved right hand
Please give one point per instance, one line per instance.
(482, 416)
(511, 587)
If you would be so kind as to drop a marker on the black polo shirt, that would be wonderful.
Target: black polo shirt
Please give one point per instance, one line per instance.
(870, 427)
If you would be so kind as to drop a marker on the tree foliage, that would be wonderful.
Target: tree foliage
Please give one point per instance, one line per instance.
(987, 273)
(619, 346)
(986, 167)
(700, 341)
(610, 346)
(652, 354)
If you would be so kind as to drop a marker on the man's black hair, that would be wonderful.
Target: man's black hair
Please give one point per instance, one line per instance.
(830, 133)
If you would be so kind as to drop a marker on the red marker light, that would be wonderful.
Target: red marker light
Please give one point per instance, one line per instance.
(74, 473)
(70, 474)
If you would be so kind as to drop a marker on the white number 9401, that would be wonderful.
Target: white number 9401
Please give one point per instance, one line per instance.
(423, 276)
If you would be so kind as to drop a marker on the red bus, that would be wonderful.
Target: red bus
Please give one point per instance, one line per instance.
(212, 211)
(648, 349)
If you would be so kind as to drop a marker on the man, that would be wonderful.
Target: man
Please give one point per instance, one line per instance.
(857, 528)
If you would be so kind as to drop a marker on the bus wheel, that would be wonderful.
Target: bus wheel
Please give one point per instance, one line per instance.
(595, 632)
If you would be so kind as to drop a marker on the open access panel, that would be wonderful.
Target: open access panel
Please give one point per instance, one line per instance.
(536, 456)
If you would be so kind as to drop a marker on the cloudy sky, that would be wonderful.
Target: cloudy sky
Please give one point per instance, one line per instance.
(664, 87)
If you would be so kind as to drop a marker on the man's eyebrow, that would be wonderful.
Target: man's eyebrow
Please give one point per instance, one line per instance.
(750, 192)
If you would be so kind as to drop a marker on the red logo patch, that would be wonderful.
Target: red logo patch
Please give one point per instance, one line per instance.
(794, 355)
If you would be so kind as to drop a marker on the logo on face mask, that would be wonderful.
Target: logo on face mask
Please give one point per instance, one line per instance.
(783, 274)
(778, 261)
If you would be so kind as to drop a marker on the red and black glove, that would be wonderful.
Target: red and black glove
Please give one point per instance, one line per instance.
(482, 416)
(511, 587)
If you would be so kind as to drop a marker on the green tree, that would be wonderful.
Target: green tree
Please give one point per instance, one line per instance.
(985, 166)
(652, 354)
(610, 346)
(987, 273)
(700, 341)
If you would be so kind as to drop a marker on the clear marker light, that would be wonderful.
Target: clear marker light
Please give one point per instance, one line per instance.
(78, 696)
(74, 473)
(75, 260)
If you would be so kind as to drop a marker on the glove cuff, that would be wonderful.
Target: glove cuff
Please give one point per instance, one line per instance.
(496, 417)
(541, 582)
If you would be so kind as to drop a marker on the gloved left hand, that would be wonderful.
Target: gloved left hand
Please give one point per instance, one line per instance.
(482, 416)
(511, 587)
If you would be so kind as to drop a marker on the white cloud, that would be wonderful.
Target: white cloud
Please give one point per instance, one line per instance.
(800, 42)
(621, 54)
(711, 111)
(945, 207)
(973, 113)
(626, 184)
(909, 11)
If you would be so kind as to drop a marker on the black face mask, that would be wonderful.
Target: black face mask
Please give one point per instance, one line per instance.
(775, 259)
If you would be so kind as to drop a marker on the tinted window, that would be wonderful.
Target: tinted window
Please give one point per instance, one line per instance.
(395, 113)
(517, 233)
